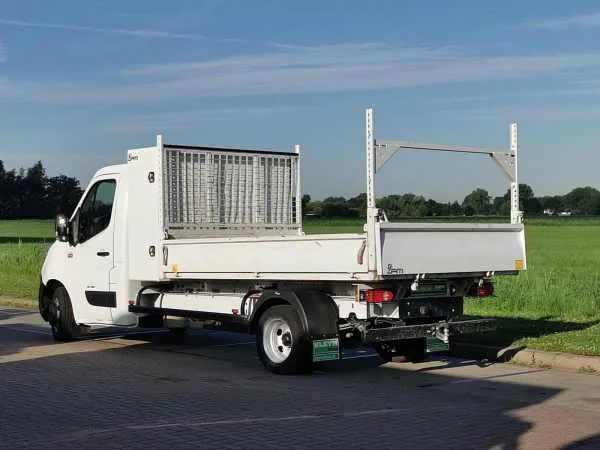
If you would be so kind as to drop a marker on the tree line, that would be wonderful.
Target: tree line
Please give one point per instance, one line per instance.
(31, 194)
(581, 201)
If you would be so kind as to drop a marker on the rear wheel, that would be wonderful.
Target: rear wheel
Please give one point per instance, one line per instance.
(281, 344)
(412, 350)
(60, 316)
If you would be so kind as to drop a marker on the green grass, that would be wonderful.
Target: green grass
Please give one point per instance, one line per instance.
(562, 280)
(20, 266)
(554, 305)
(325, 226)
(26, 229)
(23, 246)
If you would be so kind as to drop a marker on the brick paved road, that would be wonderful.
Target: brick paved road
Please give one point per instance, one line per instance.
(145, 391)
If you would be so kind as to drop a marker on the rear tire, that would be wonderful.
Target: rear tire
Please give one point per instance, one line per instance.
(60, 315)
(412, 350)
(281, 343)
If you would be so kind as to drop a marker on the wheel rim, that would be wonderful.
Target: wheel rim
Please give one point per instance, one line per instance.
(277, 339)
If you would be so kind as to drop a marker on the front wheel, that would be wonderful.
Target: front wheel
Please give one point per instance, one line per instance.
(60, 316)
(281, 343)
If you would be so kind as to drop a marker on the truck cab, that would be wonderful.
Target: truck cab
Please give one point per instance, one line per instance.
(84, 270)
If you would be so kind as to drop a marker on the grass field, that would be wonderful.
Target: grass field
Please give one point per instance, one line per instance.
(554, 305)
(23, 245)
(28, 229)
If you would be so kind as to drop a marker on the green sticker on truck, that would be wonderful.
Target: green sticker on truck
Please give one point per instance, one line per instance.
(326, 350)
(436, 345)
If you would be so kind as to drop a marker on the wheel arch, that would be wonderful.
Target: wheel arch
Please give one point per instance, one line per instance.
(46, 290)
(317, 311)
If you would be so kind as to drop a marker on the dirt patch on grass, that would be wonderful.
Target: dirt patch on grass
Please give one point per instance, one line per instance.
(12, 302)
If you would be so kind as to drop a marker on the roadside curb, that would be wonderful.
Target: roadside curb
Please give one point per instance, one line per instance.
(529, 357)
(7, 302)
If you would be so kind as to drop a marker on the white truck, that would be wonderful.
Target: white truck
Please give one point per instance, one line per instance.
(182, 234)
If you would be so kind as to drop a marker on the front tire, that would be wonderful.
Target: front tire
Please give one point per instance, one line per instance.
(60, 315)
(281, 343)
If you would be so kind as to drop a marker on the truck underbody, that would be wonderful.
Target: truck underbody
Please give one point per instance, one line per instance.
(387, 316)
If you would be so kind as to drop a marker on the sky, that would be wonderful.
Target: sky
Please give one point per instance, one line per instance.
(82, 82)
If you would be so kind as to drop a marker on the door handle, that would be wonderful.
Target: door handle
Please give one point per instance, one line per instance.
(104, 253)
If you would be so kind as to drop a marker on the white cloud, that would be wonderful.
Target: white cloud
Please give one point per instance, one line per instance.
(82, 28)
(543, 113)
(328, 68)
(139, 33)
(183, 119)
(563, 23)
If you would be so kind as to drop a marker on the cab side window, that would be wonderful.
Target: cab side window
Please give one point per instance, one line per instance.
(96, 210)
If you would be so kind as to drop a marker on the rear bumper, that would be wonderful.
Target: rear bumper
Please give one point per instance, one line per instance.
(441, 330)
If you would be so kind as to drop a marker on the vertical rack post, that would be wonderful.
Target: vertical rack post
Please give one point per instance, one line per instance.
(370, 148)
(163, 198)
(372, 212)
(298, 191)
(515, 212)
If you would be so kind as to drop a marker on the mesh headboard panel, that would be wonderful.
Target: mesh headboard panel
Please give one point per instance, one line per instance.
(223, 192)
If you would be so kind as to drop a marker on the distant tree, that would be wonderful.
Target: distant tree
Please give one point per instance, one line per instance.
(555, 203)
(3, 190)
(30, 194)
(33, 195)
(305, 202)
(477, 202)
(407, 205)
(455, 209)
(528, 203)
(433, 208)
(63, 193)
(11, 196)
(500, 206)
(336, 207)
(358, 204)
(583, 201)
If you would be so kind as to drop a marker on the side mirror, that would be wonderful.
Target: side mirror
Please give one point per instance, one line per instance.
(62, 228)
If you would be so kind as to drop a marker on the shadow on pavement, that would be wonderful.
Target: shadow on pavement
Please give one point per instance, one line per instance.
(152, 390)
(8, 313)
(591, 443)
(511, 329)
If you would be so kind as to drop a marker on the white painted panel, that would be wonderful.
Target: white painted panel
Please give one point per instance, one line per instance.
(214, 303)
(317, 255)
(447, 248)
(143, 210)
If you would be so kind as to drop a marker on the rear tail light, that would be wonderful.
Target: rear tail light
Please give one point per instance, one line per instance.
(378, 296)
(485, 289)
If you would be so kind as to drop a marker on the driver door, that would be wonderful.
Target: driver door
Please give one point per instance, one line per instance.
(92, 257)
